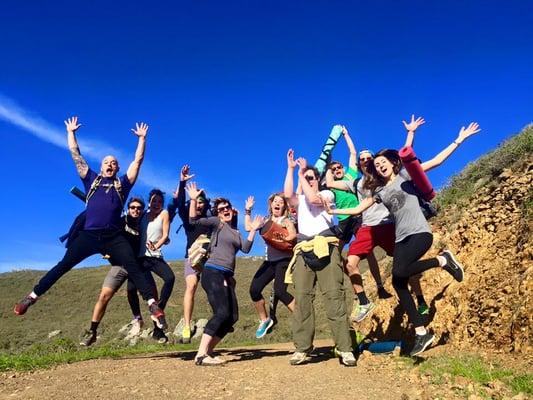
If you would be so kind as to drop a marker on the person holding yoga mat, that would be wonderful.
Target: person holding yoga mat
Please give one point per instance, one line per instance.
(392, 186)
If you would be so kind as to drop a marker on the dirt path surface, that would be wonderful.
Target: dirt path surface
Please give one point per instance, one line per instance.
(260, 372)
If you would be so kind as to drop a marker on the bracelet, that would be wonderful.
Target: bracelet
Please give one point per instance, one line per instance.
(248, 211)
(456, 142)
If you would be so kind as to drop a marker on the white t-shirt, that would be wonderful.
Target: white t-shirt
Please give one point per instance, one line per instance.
(313, 218)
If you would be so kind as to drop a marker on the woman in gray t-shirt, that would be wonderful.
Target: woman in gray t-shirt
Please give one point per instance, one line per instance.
(391, 185)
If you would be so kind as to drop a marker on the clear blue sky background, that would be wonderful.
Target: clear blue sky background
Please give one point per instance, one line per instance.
(228, 87)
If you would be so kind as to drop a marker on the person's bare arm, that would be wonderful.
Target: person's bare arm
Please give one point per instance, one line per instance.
(352, 161)
(287, 223)
(133, 170)
(331, 183)
(311, 195)
(411, 127)
(464, 134)
(363, 206)
(288, 186)
(248, 206)
(193, 193)
(81, 165)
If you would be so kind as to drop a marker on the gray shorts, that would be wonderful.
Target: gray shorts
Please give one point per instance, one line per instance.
(115, 278)
(188, 270)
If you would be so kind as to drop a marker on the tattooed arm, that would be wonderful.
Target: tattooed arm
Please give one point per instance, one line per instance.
(133, 170)
(81, 165)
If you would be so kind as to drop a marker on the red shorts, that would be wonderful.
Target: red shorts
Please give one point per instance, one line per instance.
(368, 237)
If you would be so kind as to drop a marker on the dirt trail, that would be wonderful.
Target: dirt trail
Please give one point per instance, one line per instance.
(259, 372)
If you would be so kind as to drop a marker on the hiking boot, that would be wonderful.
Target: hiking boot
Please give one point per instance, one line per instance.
(423, 309)
(452, 266)
(186, 334)
(208, 361)
(88, 338)
(346, 357)
(159, 336)
(22, 306)
(421, 343)
(158, 316)
(299, 357)
(360, 312)
(383, 294)
(263, 328)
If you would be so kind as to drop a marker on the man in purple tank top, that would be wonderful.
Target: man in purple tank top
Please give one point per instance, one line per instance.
(102, 232)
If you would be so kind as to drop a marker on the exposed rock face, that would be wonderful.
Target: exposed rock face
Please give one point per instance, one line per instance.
(492, 238)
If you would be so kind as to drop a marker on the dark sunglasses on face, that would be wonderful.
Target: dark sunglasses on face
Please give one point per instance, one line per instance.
(310, 178)
(363, 159)
(224, 208)
(135, 208)
(336, 168)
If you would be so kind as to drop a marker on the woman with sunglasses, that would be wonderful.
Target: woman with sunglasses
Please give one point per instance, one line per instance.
(217, 275)
(391, 185)
(279, 254)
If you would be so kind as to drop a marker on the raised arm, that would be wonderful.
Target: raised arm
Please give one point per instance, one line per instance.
(331, 183)
(254, 226)
(81, 165)
(352, 161)
(193, 193)
(178, 200)
(133, 170)
(411, 127)
(288, 186)
(464, 133)
(311, 195)
(248, 206)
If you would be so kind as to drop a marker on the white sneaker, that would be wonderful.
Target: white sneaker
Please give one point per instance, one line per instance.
(136, 327)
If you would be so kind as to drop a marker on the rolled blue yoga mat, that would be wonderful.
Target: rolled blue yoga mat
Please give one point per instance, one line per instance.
(380, 347)
(325, 154)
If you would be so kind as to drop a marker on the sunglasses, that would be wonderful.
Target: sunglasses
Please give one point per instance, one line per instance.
(135, 208)
(336, 168)
(309, 178)
(225, 208)
(365, 159)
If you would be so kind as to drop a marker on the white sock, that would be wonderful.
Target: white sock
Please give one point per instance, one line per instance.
(33, 296)
(442, 260)
(150, 302)
(420, 330)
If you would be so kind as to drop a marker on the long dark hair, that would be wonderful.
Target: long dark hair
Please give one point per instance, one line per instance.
(373, 180)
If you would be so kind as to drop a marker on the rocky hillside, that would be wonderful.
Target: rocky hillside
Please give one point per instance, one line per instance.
(486, 220)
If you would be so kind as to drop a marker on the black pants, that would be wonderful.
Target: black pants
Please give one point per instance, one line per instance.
(267, 271)
(89, 243)
(159, 267)
(407, 263)
(220, 292)
(133, 297)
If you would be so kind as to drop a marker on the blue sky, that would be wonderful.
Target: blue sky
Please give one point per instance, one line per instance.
(228, 87)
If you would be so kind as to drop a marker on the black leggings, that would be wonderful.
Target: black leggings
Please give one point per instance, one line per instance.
(159, 267)
(267, 271)
(220, 292)
(88, 243)
(407, 263)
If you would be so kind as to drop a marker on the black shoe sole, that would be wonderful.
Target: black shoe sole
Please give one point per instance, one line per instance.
(457, 263)
(426, 345)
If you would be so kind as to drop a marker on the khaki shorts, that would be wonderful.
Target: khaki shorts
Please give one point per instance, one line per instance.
(115, 278)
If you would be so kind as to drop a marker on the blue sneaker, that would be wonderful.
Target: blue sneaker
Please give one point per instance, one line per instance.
(263, 328)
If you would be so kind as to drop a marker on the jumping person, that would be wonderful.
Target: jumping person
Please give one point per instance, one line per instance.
(217, 275)
(313, 221)
(102, 233)
(377, 230)
(277, 259)
(192, 231)
(117, 275)
(391, 185)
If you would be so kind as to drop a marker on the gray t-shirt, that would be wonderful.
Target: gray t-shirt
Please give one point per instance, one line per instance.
(225, 242)
(401, 200)
(376, 214)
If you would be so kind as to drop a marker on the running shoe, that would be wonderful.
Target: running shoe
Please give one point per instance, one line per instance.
(299, 357)
(361, 311)
(263, 328)
(88, 338)
(346, 357)
(453, 267)
(423, 309)
(22, 306)
(208, 361)
(383, 294)
(136, 327)
(159, 336)
(186, 334)
(158, 316)
(421, 343)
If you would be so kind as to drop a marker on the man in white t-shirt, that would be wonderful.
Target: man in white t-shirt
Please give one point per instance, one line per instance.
(313, 219)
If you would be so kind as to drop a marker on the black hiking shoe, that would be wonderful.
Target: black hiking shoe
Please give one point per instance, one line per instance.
(421, 343)
(158, 316)
(22, 306)
(88, 338)
(159, 336)
(452, 266)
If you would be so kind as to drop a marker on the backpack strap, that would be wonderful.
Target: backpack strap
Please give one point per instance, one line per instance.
(117, 185)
